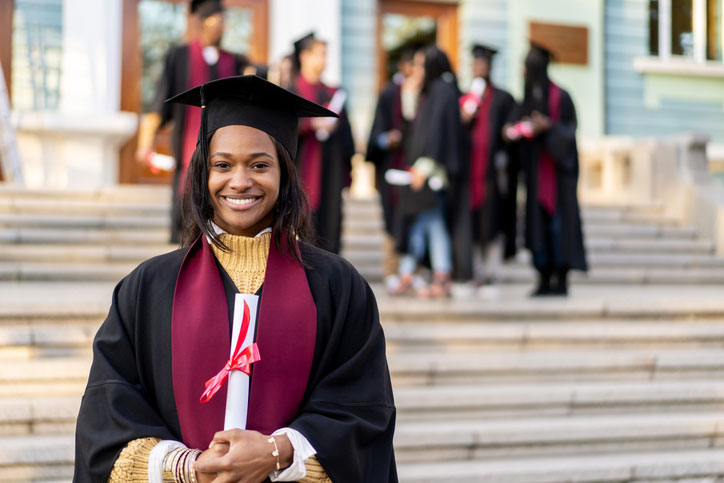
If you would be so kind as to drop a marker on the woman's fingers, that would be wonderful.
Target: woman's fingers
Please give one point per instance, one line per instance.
(227, 437)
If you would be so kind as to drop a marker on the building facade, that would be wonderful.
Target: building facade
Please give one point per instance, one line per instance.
(79, 71)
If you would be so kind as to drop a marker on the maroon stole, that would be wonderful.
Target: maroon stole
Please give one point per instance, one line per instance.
(480, 150)
(547, 185)
(198, 74)
(201, 342)
(310, 157)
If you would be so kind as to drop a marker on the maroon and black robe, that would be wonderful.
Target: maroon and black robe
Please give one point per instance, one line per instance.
(323, 369)
(183, 69)
(388, 116)
(324, 166)
(494, 170)
(550, 163)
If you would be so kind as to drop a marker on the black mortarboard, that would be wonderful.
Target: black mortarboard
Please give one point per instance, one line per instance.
(249, 100)
(303, 44)
(206, 8)
(542, 49)
(483, 51)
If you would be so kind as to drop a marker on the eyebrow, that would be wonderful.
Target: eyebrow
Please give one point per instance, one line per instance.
(250, 156)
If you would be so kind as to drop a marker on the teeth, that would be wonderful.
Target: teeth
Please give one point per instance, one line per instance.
(241, 202)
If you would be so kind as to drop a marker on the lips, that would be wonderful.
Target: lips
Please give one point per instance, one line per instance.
(240, 203)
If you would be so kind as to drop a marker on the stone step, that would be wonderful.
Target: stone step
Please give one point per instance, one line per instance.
(97, 253)
(361, 258)
(34, 458)
(64, 272)
(40, 206)
(373, 242)
(487, 335)
(474, 335)
(691, 466)
(23, 341)
(47, 221)
(354, 226)
(606, 245)
(120, 193)
(515, 400)
(33, 341)
(54, 414)
(440, 368)
(427, 441)
(462, 368)
(585, 303)
(38, 415)
(148, 236)
(520, 274)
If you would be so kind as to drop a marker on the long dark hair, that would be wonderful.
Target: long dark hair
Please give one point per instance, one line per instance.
(536, 82)
(437, 65)
(291, 212)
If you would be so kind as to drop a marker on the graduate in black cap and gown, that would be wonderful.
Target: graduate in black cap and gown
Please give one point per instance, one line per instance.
(546, 129)
(493, 165)
(186, 66)
(326, 145)
(304, 393)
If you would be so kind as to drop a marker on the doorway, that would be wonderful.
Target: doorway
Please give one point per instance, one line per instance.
(150, 27)
(402, 24)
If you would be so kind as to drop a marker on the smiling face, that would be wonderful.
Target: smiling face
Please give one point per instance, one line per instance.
(244, 177)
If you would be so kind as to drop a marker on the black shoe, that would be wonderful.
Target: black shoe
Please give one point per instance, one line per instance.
(560, 288)
(544, 286)
(542, 291)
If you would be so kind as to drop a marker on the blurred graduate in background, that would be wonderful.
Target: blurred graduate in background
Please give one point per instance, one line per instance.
(326, 145)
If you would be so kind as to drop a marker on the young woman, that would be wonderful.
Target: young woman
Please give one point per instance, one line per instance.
(319, 403)
(434, 157)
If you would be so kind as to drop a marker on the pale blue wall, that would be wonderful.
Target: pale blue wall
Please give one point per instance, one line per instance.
(626, 111)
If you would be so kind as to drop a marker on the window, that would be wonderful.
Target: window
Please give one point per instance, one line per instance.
(687, 29)
(37, 49)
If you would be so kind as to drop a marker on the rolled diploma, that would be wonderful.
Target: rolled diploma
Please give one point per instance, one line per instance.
(237, 395)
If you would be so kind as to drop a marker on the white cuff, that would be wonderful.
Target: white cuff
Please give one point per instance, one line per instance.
(155, 459)
(303, 450)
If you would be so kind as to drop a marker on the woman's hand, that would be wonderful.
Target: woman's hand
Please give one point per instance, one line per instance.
(418, 180)
(249, 457)
(218, 450)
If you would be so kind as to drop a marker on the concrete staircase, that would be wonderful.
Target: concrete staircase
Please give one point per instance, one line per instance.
(622, 382)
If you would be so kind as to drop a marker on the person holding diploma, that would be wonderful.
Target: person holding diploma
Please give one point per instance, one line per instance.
(326, 145)
(545, 129)
(249, 353)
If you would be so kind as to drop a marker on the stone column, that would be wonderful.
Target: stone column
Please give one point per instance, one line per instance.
(78, 145)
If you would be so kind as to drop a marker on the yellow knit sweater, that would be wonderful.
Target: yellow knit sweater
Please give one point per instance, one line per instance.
(245, 262)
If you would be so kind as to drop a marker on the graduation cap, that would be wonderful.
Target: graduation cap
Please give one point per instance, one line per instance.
(206, 8)
(248, 100)
(541, 49)
(302, 44)
(483, 51)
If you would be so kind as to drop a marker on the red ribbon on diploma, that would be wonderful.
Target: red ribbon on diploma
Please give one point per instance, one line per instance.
(241, 360)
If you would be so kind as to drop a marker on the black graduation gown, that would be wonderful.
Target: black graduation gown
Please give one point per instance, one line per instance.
(347, 413)
(498, 214)
(174, 80)
(337, 152)
(560, 141)
(437, 132)
(383, 159)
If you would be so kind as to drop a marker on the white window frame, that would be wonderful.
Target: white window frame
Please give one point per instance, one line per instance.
(667, 63)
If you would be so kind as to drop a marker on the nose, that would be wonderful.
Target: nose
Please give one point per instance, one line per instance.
(240, 179)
